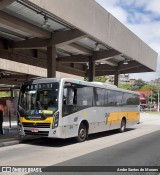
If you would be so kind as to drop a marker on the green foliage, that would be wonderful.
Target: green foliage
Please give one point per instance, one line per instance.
(138, 84)
(5, 94)
(126, 86)
(98, 79)
(101, 79)
(145, 88)
(154, 95)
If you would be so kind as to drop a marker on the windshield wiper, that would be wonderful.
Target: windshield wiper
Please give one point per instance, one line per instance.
(41, 108)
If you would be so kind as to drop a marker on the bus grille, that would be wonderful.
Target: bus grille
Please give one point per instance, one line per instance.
(36, 125)
(42, 133)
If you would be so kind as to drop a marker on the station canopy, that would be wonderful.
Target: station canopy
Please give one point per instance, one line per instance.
(79, 30)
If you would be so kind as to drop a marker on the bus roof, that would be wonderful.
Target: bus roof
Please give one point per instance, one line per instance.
(94, 84)
(99, 84)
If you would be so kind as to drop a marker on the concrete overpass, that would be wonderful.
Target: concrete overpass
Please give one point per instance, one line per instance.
(79, 37)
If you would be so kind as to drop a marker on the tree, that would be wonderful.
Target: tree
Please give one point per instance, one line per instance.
(126, 86)
(138, 84)
(145, 88)
(154, 92)
(98, 79)
(101, 79)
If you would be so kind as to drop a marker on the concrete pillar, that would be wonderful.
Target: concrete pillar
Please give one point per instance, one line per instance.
(91, 70)
(116, 78)
(51, 61)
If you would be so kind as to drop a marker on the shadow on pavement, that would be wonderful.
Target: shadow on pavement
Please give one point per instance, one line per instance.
(9, 135)
(53, 142)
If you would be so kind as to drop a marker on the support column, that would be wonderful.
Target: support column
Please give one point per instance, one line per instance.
(51, 61)
(91, 70)
(116, 78)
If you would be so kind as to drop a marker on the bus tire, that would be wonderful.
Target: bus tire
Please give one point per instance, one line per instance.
(123, 126)
(82, 133)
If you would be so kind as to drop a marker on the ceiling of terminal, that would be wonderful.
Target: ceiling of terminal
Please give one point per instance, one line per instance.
(22, 21)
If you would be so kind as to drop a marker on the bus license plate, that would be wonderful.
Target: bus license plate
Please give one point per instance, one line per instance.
(34, 130)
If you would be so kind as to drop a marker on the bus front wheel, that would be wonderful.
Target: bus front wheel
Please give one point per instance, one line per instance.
(123, 125)
(82, 133)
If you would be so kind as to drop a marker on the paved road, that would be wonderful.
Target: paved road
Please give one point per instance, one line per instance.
(142, 151)
(138, 146)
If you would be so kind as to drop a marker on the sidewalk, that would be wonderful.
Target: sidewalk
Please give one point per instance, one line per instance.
(10, 135)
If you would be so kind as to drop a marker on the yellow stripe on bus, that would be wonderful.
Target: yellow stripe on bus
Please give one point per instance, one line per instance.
(47, 120)
(116, 117)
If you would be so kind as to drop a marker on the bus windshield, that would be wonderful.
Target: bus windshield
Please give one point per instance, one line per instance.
(38, 98)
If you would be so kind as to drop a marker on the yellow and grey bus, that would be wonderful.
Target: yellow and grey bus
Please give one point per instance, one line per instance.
(65, 108)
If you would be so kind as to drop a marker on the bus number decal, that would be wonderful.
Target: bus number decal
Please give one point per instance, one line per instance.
(75, 119)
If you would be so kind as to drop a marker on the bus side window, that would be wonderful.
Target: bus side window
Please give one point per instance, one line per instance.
(84, 96)
(99, 97)
(85, 102)
(65, 96)
(70, 95)
(69, 100)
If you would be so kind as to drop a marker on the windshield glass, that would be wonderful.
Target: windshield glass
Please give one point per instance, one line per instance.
(38, 99)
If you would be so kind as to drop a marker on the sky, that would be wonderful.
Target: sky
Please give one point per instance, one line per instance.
(142, 17)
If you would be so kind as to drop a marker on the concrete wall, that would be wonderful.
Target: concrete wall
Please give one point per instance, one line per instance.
(91, 18)
(64, 75)
(22, 68)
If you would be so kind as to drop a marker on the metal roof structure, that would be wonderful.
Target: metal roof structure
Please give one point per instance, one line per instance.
(29, 27)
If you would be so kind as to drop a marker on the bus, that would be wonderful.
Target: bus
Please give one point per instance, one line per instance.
(65, 108)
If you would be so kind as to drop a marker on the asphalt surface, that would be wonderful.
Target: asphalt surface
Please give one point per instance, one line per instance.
(137, 153)
(141, 151)
(9, 137)
(138, 146)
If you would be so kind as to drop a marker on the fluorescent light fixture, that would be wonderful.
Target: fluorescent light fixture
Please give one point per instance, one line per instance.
(97, 47)
(46, 23)
(125, 62)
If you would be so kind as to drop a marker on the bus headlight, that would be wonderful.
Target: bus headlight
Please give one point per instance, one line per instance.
(19, 126)
(19, 123)
(56, 120)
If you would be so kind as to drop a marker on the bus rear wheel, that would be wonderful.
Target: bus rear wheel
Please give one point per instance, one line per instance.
(82, 133)
(123, 125)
